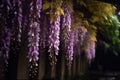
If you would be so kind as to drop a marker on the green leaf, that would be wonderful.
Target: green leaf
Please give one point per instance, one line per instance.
(46, 5)
(107, 45)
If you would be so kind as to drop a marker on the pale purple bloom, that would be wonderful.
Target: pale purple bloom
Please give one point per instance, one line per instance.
(66, 19)
(90, 52)
(38, 7)
(53, 39)
(67, 35)
(33, 41)
(69, 48)
(34, 31)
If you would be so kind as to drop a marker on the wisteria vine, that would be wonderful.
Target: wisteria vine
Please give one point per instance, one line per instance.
(53, 39)
(5, 44)
(68, 36)
(5, 37)
(34, 37)
(34, 31)
(19, 13)
(46, 34)
(79, 36)
(89, 47)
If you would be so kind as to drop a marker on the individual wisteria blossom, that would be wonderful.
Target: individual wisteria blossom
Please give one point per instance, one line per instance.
(5, 44)
(53, 39)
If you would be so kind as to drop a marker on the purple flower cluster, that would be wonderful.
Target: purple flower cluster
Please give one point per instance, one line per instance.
(19, 19)
(38, 7)
(66, 26)
(67, 35)
(69, 48)
(79, 36)
(33, 41)
(34, 31)
(5, 44)
(91, 50)
(53, 39)
(82, 42)
(66, 23)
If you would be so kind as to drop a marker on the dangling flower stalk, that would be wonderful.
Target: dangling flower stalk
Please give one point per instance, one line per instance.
(34, 37)
(90, 51)
(68, 36)
(16, 27)
(54, 31)
(89, 46)
(69, 49)
(79, 36)
(19, 19)
(5, 42)
(5, 37)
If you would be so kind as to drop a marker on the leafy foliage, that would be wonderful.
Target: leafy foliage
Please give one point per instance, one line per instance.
(102, 20)
(111, 36)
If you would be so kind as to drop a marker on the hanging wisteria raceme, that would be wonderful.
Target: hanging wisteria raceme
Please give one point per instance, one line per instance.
(19, 13)
(90, 52)
(67, 35)
(66, 23)
(34, 37)
(69, 48)
(89, 47)
(53, 39)
(34, 30)
(33, 41)
(79, 36)
(5, 37)
(5, 44)
(76, 42)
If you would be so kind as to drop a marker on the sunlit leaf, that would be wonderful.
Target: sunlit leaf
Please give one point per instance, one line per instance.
(46, 5)
(83, 28)
(59, 11)
(93, 38)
